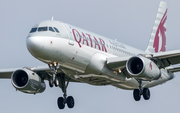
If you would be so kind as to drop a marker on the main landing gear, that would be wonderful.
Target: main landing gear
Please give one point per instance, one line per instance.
(138, 92)
(65, 100)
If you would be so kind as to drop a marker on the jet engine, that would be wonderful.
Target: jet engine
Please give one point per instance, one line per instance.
(142, 68)
(27, 81)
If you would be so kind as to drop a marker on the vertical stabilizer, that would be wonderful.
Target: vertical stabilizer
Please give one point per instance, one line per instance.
(157, 42)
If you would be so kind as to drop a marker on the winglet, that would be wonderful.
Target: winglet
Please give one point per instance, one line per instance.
(157, 42)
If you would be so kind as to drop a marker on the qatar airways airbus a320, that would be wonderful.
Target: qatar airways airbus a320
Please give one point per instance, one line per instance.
(73, 54)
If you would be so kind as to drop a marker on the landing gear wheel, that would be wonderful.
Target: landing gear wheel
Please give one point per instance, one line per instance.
(56, 82)
(146, 93)
(70, 102)
(61, 103)
(50, 82)
(137, 95)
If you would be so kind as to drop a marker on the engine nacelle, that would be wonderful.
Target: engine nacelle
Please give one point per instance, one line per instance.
(142, 68)
(27, 81)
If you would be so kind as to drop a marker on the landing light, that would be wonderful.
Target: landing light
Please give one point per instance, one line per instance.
(119, 70)
(55, 64)
(115, 72)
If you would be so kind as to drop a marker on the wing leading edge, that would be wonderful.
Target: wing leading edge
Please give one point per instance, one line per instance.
(43, 71)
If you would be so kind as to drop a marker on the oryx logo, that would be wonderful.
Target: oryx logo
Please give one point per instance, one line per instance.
(159, 44)
(150, 65)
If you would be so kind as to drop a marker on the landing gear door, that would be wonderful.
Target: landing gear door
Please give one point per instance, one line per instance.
(70, 35)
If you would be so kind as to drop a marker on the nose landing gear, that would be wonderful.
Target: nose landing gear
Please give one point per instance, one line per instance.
(53, 66)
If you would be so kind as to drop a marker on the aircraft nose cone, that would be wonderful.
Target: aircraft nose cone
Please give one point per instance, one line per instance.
(36, 46)
(33, 45)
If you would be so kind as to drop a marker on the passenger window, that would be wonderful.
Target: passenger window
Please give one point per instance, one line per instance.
(33, 30)
(56, 30)
(42, 29)
(51, 29)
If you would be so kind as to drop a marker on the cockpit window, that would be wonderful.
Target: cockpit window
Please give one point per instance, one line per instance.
(33, 30)
(42, 29)
(56, 29)
(51, 29)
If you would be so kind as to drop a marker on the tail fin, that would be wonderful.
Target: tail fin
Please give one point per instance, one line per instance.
(157, 42)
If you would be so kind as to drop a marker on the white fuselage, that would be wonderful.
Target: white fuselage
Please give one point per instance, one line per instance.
(73, 49)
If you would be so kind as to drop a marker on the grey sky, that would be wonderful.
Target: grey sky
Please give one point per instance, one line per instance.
(128, 21)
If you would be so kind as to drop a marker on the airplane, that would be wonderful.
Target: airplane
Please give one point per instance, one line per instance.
(75, 55)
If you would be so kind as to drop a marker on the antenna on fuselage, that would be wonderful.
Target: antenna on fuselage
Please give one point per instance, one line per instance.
(52, 18)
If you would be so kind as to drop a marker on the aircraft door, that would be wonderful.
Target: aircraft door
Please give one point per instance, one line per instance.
(70, 35)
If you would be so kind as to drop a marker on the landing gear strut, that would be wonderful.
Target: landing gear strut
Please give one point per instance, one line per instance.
(65, 100)
(138, 92)
(53, 66)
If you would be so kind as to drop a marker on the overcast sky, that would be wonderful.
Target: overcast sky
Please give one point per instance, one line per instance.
(128, 21)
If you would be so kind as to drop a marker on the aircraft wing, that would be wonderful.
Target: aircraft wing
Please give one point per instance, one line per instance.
(41, 70)
(168, 58)
(6, 73)
(165, 59)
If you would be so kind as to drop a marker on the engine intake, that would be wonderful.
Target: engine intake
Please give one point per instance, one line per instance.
(27, 81)
(20, 78)
(142, 68)
(135, 65)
